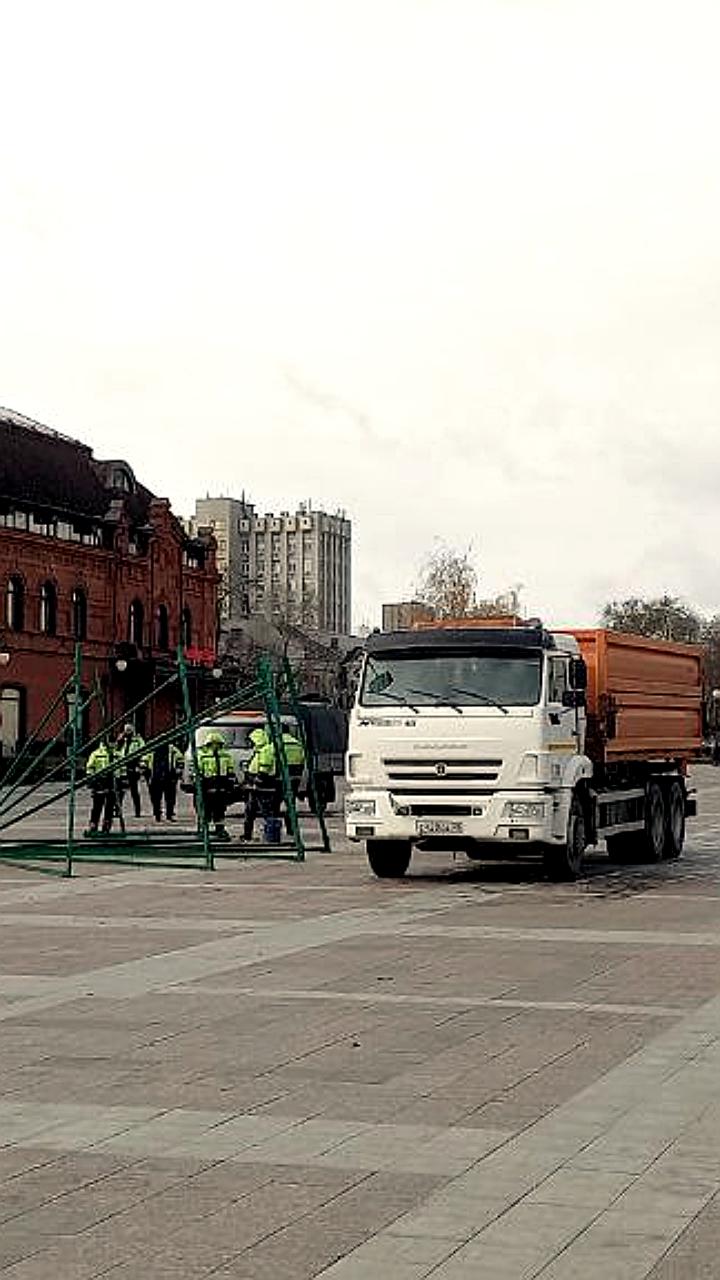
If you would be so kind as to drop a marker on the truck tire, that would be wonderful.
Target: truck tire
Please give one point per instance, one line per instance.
(564, 861)
(652, 838)
(674, 819)
(389, 859)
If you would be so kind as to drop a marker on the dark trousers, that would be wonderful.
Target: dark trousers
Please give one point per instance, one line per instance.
(261, 801)
(103, 804)
(296, 773)
(215, 801)
(163, 789)
(133, 786)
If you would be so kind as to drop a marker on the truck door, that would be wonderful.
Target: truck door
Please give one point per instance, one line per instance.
(560, 730)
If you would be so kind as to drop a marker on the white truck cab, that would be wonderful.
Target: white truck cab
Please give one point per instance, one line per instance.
(466, 738)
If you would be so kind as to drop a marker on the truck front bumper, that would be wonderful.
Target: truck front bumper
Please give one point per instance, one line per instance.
(506, 817)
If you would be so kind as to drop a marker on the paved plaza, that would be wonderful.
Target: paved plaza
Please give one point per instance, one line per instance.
(279, 1071)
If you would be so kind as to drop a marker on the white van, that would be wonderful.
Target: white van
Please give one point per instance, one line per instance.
(235, 727)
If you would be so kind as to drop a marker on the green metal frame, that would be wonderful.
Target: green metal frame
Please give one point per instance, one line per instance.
(19, 799)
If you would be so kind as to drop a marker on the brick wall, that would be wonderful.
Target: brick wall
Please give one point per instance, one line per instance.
(111, 581)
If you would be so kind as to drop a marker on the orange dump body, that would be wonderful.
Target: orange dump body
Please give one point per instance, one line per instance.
(644, 698)
(452, 624)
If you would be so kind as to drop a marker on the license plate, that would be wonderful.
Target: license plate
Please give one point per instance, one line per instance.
(440, 828)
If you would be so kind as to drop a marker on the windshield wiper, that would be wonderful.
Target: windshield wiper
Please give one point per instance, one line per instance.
(482, 697)
(438, 699)
(396, 697)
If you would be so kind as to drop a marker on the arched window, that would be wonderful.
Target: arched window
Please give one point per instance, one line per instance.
(79, 614)
(48, 609)
(163, 628)
(12, 720)
(186, 628)
(136, 623)
(15, 604)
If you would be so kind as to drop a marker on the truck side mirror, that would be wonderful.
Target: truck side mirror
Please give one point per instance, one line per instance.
(573, 698)
(380, 682)
(578, 674)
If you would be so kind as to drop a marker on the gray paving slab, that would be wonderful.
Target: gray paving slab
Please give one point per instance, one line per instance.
(298, 1070)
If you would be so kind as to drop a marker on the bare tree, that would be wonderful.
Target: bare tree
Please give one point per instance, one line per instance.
(448, 583)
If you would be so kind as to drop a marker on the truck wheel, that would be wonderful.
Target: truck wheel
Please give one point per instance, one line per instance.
(653, 836)
(674, 819)
(389, 859)
(564, 862)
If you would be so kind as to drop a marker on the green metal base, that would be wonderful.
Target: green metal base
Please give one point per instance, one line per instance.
(139, 851)
(150, 848)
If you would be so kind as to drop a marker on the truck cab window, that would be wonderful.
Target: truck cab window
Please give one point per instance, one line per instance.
(558, 679)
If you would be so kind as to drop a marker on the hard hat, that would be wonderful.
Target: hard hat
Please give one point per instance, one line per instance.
(258, 737)
(215, 739)
(128, 729)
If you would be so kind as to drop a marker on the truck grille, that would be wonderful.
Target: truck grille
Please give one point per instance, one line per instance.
(440, 810)
(438, 773)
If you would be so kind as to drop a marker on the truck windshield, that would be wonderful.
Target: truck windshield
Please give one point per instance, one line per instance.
(449, 679)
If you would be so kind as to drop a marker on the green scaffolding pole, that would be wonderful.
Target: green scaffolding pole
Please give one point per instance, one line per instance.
(74, 753)
(318, 808)
(134, 847)
(199, 797)
(7, 790)
(8, 808)
(274, 719)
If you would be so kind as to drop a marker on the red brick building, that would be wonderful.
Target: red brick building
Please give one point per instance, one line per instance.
(88, 554)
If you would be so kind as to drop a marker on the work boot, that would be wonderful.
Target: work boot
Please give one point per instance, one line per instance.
(89, 833)
(221, 833)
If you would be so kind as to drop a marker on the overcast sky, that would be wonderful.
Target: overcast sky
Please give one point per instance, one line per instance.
(450, 265)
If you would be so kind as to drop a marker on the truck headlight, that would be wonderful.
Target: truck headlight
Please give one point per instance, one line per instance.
(524, 809)
(358, 769)
(353, 765)
(529, 768)
(360, 808)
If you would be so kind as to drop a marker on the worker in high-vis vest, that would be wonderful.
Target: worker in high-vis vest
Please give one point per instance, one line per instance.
(101, 770)
(217, 779)
(130, 765)
(264, 788)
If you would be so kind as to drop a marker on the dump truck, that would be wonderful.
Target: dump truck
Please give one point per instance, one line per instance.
(496, 740)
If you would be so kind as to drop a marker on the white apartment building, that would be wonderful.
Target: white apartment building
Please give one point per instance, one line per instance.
(295, 567)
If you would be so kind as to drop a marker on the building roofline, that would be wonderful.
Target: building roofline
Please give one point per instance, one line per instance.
(30, 424)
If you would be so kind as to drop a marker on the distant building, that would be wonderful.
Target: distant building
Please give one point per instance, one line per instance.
(406, 614)
(293, 567)
(88, 554)
(224, 518)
